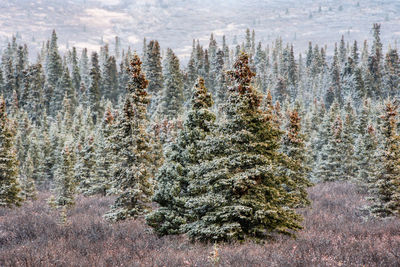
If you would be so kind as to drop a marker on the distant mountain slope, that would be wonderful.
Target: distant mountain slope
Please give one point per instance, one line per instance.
(86, 23)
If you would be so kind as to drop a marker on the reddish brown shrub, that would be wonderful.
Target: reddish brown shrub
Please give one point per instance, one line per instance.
(335, 234)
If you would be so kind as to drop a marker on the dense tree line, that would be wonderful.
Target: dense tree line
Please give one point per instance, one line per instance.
(226, 147)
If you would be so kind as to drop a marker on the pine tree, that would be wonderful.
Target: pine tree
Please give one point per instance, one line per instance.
(391, 78)
(65, 187)
(171, 102)
(238, 192)
(335, 88)
(54, 63)
(76, 76)
(132, 144)
(294, 147)
(28, 188)
(330, 162)
(64, 88)
(110, 79)
(367, 160)
(84, 67)
(93, 91)
(385, 189)
(375, 64)
(84, 166)
(35, 94)
(9, 184)
(342, 51)
(181, 156)
(101, 180)
(153, 70)
(348, 143)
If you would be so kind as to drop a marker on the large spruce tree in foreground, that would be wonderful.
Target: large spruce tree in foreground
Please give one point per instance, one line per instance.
(9, 185)
(181, 157)
(132, 145)
(239, 191)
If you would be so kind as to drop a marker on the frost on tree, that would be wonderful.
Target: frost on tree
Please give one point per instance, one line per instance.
(132, 145)
(239, 192)
(385, 189)
(178, 171)
(9, 185)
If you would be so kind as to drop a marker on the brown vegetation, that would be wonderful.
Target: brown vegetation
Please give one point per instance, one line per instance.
(335, 234)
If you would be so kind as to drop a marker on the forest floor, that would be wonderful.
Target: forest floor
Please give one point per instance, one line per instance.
(335, 234)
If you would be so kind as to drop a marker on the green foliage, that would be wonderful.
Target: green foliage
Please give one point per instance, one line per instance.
(132, 145)
(385, 189)
(9, 184)
(294, 147)
(238, 191)
(182, 157)
(65, 183)
(171, 102)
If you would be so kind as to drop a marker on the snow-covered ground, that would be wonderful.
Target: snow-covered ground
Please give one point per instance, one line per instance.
(86, 23)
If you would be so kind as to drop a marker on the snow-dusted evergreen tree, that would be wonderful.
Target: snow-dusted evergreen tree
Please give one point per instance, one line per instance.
(132, 145)
(64, 88)
(182, 156)
(294, 147)
(170, 105)
(9, 166)
(391, 78)
(75, 71)
(101, 180)
(348, 138)
(65, 184)
(93, 91)
(329, 166)
(84, 165)
(153, 70)
(367, 158)
(322, 135)
(28, 188)
(238, 191)
(84, 67)
(385, 189)
(54, 62)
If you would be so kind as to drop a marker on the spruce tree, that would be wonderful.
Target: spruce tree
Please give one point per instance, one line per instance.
(9, 184)
(85, 163)
(153, 70)
(330, 162)
(293, 146)
(101, 180)
(54, 71)
(28, 188)
(65, 184)
(348, 143)
(132, 145)
(171, 102)
(76, 76)
(181, 157)
(238, 191)
(391, 78)
(93, 91)
(385, 189)
(366, 158)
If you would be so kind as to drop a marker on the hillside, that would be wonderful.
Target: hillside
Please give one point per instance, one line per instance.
(90, 23)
